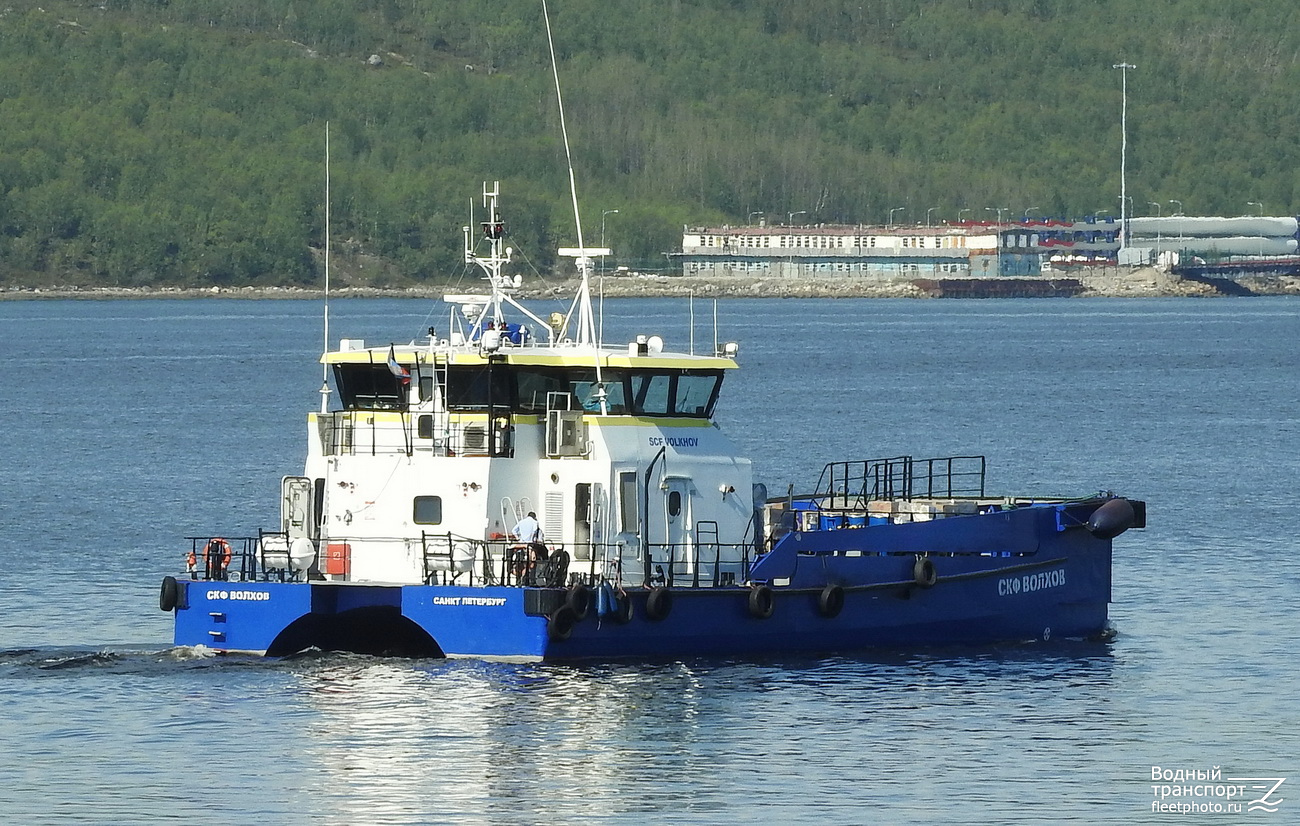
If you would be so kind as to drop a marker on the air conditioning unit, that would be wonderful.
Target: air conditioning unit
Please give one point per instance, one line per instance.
(474, 439)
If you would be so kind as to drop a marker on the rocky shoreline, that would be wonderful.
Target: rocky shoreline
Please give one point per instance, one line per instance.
(1111, 282)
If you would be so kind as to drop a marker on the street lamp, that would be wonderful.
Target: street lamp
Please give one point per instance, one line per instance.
(927, 215)
(998, 210)
(1157, 206)
(1029, 210)
(1123, 153)
(960, 211)
(790, 218)
(750, 219)
(1257, 204)
(891, 214)
(602, 234)
(1180, 205)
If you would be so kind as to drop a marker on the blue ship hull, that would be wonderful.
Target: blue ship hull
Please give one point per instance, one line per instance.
(1027, 573)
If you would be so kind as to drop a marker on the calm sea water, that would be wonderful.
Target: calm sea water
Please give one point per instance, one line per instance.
(128, 425)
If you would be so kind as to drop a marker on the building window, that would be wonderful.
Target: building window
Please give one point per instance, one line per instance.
(427, 510)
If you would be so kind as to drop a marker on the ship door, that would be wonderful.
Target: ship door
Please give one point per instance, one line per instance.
(296, 507)
(677, 511)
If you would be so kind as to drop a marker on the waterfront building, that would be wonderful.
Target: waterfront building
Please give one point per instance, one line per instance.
(970, 249)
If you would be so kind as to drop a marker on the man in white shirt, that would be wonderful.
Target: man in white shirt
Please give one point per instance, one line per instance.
(528, 533)
(528, 530)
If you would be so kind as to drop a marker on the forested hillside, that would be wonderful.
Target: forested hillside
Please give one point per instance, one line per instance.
(149, 142)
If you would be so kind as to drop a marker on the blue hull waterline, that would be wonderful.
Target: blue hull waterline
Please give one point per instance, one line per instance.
(1032, 572)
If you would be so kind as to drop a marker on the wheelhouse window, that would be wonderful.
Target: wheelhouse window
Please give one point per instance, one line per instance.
(533, 384)
(527, 389)
(474, 388)
(690, 393)
(427, 510)
(696, 393)
(583, 386)
(652, 393)
(368, 387)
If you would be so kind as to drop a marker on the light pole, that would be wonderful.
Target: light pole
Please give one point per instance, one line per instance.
(1180, 205)
(927, 215)
(1257, 204)
(1157, 206)
(998, 210)
(1029, 210)
(602, 234)
(790, 218)
(960, 211)
(750, 219)
(891, 214)
(1123, 153)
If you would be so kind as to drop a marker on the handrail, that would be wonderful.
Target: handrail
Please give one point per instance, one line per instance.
(449, 559)
(851, 485)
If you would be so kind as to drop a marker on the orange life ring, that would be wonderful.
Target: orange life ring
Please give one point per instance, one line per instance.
(219, 548)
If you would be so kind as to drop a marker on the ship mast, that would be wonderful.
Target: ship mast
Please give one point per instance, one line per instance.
(501, 286)
(585, 334)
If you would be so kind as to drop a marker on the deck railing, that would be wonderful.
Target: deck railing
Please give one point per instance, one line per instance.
(449, 559)
(851, 485)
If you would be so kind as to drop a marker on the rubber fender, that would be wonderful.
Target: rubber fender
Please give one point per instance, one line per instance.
(1112, 519)
(578, 600)
(923, 572)
(560, 625)
(622, 608)
(169, 596)
(761, 602)
(659, 604)
(830, 601)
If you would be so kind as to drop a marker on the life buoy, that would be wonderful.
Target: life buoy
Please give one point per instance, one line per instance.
(761, 602)
(578, 600)
(560, 625)
(170, 595)
(659, 604)
(923, 572)
(622, 608)
(830, 601)
(216, 557)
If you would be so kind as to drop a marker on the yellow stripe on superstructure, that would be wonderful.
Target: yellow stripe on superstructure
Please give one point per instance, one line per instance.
(679, 361)
(645, 421)
(395, 416)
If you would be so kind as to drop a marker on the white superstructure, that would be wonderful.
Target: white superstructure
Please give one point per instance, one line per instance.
(436, 448)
